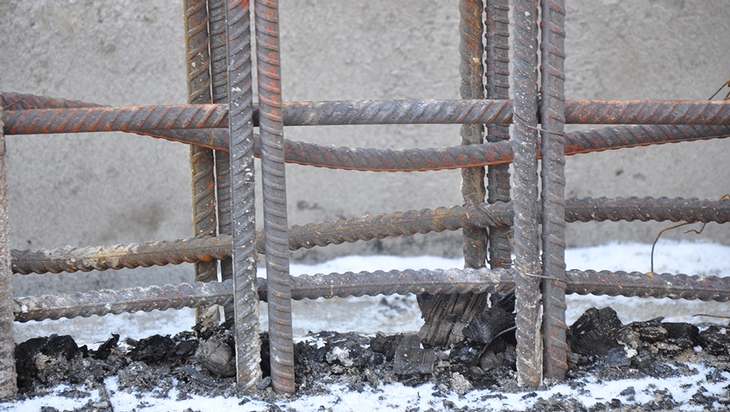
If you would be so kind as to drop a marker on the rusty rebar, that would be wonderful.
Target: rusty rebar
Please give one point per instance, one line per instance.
(648, 285)
(210, 138)
(497, 87)
(434, 281)
(447, 158)
(688, 112)
(8, 375)
(219, 93)
(526, 234)
(552, 75)
(240, 95)
(271, 128)
(71, 259)
(202, 162)
(108, 119)
(84, 259)
(146, 118)
(103, 302)
(646, 209)
(445, 315)
(472, 87)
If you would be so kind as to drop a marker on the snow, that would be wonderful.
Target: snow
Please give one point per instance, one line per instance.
(393, 314)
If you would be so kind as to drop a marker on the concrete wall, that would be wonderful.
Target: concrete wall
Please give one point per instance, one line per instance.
(95, 189)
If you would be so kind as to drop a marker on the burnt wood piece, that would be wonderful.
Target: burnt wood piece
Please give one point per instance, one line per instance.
(595, 332)
(411, 359)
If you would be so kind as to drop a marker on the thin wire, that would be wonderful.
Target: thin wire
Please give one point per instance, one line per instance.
(727, 83)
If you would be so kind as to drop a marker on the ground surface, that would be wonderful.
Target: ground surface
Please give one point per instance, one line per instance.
(624, 361)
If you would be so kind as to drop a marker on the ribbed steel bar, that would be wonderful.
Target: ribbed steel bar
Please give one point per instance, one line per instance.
(552, 75)
(276, 233)
(201, 159)
(103, 302)
(70, 259)
(146, 299)
(436, 281)
(497, 87)
(446, 315)
(8, 376)
(646, 209)
(397, 112)
(398, 224)
(85, 259)
(526, 226)
(219, 88)
(210, 138)
(647, 285)
(240, 95)
(498, 153)
(145, 118)
(472, 87)
(689, 112)
(108, 119)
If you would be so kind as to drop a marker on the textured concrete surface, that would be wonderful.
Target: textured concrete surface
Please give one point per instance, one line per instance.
(113, 188)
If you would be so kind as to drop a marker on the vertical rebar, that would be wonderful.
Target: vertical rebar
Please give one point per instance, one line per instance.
(497, 74)
(8, 377)
(240, 96)
(526, 234)
(219, 88)
(445, 316)
(553, 187)
(201, 159)
(472, 87)
(276, 232)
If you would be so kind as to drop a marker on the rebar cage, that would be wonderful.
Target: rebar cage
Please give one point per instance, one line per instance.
(498, 221)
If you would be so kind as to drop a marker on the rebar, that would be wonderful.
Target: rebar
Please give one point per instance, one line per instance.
(526, 235)
(71, 259)
(497, 87)
(433, 281)
(8, 375)
(219, 89)
(553, 188)
(108, 119)
(398, 224)
(240, 95)
(104, 302)
(446, 315)
(472, 87)
(145, 118)
(85, 259)
(698, 112)
(436, 158)
(649, 285)
(646, 209)
(202, 162)
(271, 127)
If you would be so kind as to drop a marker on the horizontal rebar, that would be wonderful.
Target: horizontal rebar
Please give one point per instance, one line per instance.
(646, 209)
(648, 112)
(146, 118)
(84, 259)
(648, 285)
(366, 159)
(103, 302)
(630, 284)
(120, 119)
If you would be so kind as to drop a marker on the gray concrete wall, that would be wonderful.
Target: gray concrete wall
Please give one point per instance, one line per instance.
(94, 189)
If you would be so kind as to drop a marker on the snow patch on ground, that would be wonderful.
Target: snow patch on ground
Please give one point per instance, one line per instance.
(392, 314)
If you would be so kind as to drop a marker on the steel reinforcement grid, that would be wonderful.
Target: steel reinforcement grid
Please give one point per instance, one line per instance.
(219, 125)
